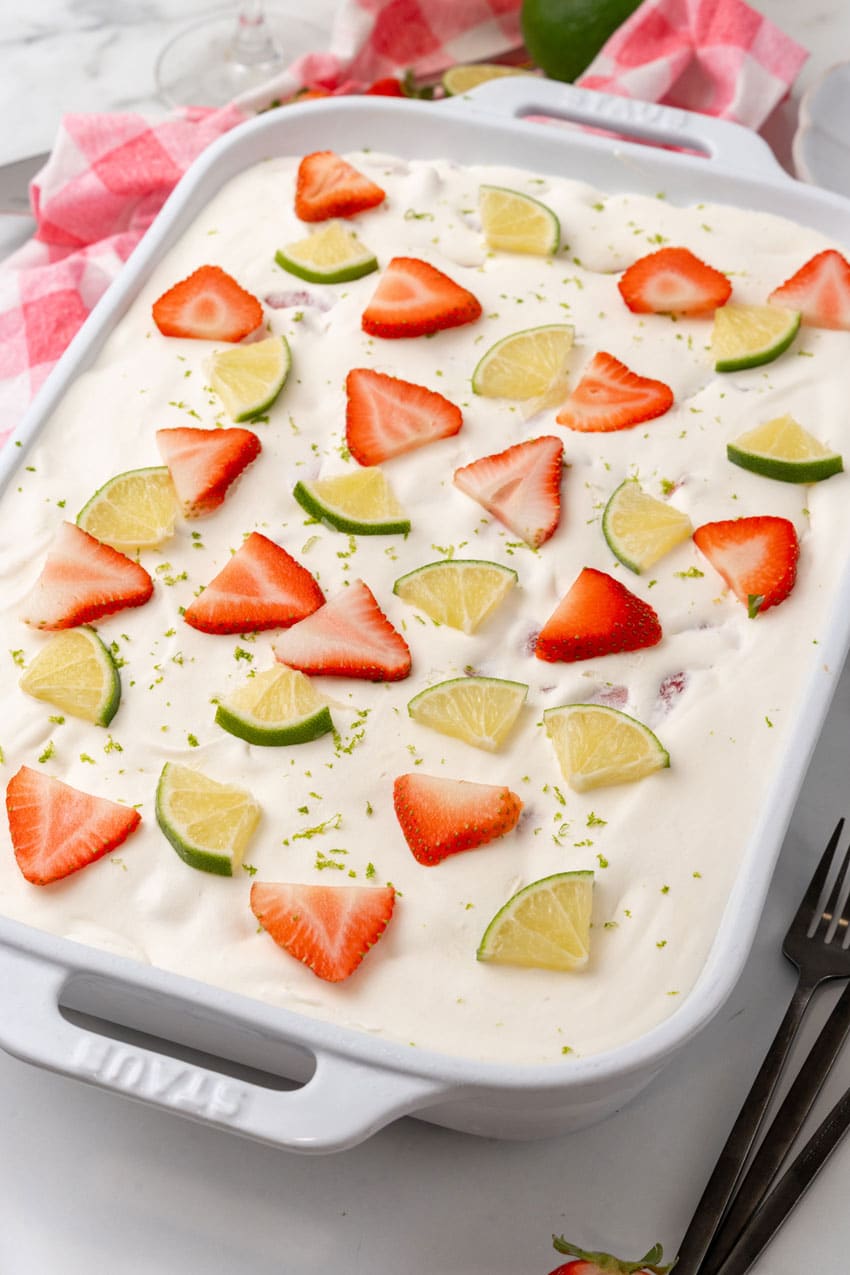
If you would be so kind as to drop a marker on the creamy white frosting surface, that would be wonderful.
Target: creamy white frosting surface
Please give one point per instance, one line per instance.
(665, 851)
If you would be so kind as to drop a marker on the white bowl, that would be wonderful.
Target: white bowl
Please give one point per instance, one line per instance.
(821, 146)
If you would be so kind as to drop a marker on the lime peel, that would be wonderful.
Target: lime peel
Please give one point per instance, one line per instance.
(783, 450)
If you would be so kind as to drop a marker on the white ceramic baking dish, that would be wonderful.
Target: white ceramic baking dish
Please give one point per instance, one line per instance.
(138, 1030)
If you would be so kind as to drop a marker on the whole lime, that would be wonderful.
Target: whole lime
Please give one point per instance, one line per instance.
(564, 36)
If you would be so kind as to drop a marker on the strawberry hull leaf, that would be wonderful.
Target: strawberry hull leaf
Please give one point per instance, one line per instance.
(605, 1263)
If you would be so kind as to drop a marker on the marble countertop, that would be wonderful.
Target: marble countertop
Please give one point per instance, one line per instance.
(91, 1181)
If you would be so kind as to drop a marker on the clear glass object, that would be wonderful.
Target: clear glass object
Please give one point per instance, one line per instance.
(225, 54)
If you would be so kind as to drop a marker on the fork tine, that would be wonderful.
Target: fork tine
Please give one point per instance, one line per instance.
(808, 905)
(829, 914)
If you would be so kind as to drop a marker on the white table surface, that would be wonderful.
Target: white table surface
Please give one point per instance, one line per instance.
(92, 1182)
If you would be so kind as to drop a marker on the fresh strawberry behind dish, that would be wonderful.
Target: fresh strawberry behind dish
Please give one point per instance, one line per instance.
(83, 580)
(261, 587)
(598, 616)
(57, 829)
(208, 306)
(328, 186)
(348, 637)
(328, 928)
(520, 486)
(820, 290)
(386, 416)
(588, 1263)
(757, 557)
(611, 396)
(673, 281)
(203, 463)
(414, 298)
(440, 817)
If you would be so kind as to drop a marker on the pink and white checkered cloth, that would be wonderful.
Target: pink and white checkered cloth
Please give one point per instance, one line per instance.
(109, 175)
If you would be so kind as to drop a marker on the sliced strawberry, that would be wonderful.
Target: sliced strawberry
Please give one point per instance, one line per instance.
(56, 829)
(673, 281)
(348, 637)
(598, 616)
(204, 462)
(520, 486)
(329, 928)
(210, 306)
(820, 290)
(386, 416)
(327, 186)
(82, 580)
(440, 817)
(413, 298)
(389, 86)
(610, 396)
(757, 557)
(261, 587)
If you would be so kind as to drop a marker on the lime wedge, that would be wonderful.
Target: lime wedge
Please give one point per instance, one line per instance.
(546, 925)
(361, 503)
(597, 746)
(465, 77)
(459, 592)
(528, 364)
(277, 706)
(134, 510)
(514, 222)
(209, 824)
(333, 254)
(783, 449)
(748, 335)
(248, 378)
(74, 671)
(479, 710)
(640, 529)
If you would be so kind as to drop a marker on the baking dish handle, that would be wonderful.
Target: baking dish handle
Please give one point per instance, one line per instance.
(730, 144)
(342, 1103)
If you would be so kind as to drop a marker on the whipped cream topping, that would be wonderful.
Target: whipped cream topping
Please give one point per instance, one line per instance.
(720, 690)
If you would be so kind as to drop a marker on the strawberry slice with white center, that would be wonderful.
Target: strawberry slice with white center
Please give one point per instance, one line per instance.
(414, 298)
(261, 587)
(348, 637)
(757, 557)
(520, 486)
(820, 290)
(328, 928)
(203, 463)
(441, 817)
(673, 281)
(83, 580)
(57, 829)
(611, 396)
(386, 416)
(598, 616)
(328, 186)
(208, 306)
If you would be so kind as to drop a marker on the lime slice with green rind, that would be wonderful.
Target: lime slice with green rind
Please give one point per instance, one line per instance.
(545, 925)
(782, 449)
(333, 254)
(527, 364)
(747, 336)
(459, 592)
(361, 503)
(248, 378)
(481, 711)
(76, 673)
(514, 222)
(275, 707)
(639, 529)
(598, 746)
(209, 824)
(133, 510)
(466, 76)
